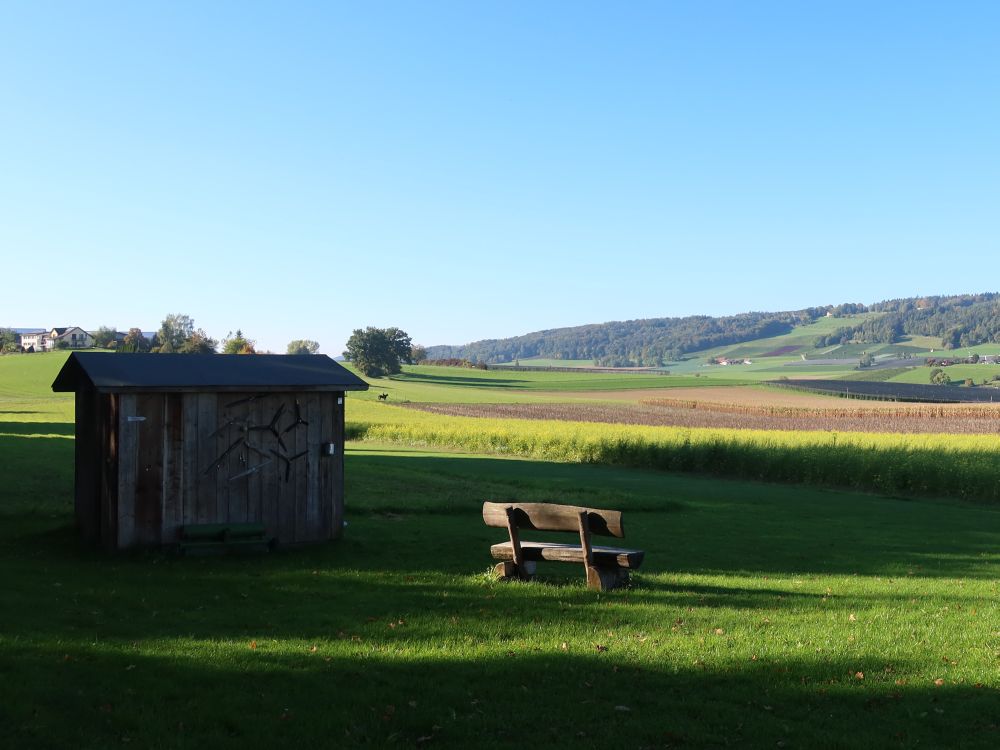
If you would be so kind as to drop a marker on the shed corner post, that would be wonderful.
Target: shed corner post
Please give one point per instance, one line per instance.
(340, 448)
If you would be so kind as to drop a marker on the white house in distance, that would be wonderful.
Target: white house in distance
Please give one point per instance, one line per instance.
(74, 336)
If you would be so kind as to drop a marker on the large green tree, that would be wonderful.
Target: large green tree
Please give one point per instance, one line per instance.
(238, 344)
(133, 342)
(379, 351)
(105, 338)
(302, 346)
(174, 331)
(198, 342)
(9, 341)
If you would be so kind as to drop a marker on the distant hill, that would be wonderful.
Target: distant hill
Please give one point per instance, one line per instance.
(958, 320)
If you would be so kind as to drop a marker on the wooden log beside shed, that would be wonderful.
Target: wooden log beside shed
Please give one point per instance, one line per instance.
(168, 441)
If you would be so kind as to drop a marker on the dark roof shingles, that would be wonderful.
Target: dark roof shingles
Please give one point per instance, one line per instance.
(165, 372)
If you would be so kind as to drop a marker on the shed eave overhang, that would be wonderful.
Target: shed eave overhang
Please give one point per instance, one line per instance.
(231, 389)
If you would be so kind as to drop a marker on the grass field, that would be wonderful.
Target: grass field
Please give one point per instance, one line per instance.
(765, 615)
(957, 373)
(461, 385)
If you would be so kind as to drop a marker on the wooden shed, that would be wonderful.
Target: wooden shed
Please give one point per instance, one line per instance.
(167, 441)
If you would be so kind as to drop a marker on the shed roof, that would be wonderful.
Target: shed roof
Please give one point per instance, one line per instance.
(204, 372)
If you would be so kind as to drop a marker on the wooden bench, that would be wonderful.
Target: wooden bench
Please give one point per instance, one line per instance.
(606, 567)
(219, 538)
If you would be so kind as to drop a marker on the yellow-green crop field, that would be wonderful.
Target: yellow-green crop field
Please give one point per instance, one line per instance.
(966, 466)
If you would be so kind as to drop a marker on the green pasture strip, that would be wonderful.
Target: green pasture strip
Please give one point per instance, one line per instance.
(26, 389)
(966, 466)
(543, 362)
(875, 376)
(957, 373)
(764, 616)
(435, 384)
(29, 375)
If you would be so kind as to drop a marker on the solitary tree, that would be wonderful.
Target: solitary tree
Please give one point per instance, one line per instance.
(198, 342)
(174, 331)
(379, 351)
(238, 344)
(939, 377)
(9, 341)
(302, 346)
(134, 341)
(105, 337)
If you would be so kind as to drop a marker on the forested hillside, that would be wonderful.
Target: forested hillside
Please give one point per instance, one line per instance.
(960, 320)
(633, 342)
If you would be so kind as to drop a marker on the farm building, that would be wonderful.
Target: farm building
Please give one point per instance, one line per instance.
(168, 441)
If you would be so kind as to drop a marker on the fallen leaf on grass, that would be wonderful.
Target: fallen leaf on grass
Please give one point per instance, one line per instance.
(939, 682)
(859, 675)
(253, 645)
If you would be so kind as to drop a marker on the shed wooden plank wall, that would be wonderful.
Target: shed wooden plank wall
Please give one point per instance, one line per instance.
(87, 450)
(107, 435)
(168, 465)
(336, 468)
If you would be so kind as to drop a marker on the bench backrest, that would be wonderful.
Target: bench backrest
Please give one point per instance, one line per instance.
(549, 517)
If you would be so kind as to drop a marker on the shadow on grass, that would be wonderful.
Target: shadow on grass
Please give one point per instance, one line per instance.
(412, 648)
(403, 504)
(36, 428)
(691, 524)
(337, 696)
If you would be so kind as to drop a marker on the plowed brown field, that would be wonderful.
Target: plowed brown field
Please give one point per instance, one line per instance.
(773, 413)
(742, 395)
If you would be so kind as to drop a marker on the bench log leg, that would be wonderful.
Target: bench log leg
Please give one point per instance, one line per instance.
(605, 579)
(509, 570)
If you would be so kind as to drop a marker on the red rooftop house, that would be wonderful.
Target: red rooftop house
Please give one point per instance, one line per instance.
(168, 442)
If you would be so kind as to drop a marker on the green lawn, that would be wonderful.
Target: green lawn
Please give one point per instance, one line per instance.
(26, 388)
(764, 616)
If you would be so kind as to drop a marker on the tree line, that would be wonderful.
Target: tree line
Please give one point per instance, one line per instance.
(958, 320)
(631, 343)
(176, 335)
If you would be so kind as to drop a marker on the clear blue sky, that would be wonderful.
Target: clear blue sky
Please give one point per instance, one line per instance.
(481, 169)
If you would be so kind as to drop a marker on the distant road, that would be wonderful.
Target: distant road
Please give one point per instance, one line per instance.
(880, 364)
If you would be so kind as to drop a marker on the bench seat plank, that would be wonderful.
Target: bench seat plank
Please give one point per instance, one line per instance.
(612, 557)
